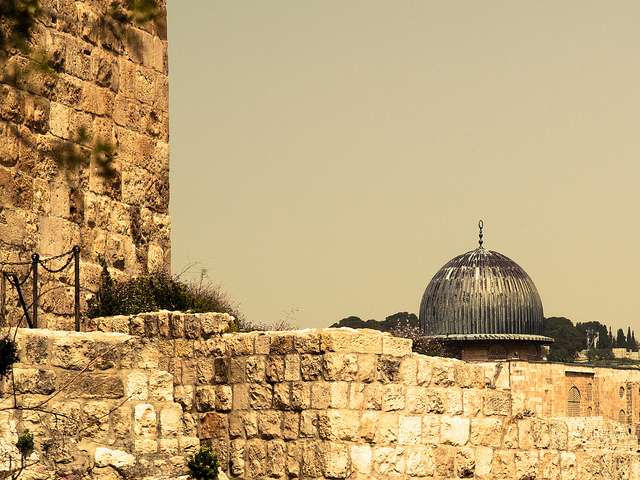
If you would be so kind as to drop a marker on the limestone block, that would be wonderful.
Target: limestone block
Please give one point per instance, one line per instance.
(11, 104)
(236, 458)
(255, 369)
(409, 370)
(484, 459)
(300, 396)
(313, 459)
(388, 369)
(137, 385)
(145, 446)
(262, 344)
(549, 465)
(116, 458)
(308, 424)
(350, 340)
(169, 446)
(290, 425)
(361, 458)
(260, 396)
(559, 435)
(311, 367)
(240, 396)
(526, 464)
(36, 113)
(340, 366)
(275, 368)
(214, 425)
(294, 454)
(465, 462)
(307, 342)
(144, 419)
(161, 386)
(469, 376)
(389, 462)
(171, 420)
(486, 432)
(224, 398)
(409, 430)
(276, 458)
(431, 429)
(503, 464)
(420, 462)
(367, 368)
(533, 433)
(9, 144)
(386, 431)
(32, 380)
(373, 396)
(205, 398)
(282, 396)
(392, 397)
(93, 385)
(472, 402)
(292, 367)
(356, 396)
(338, 425)
(337, 461)
(256, 455)
(338, 394)
(497, 402)
(396, 346)
(320, 395)
(454, 430)
(281, 344)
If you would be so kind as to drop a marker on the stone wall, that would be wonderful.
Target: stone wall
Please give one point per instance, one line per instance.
(114, 84)
(308, 404)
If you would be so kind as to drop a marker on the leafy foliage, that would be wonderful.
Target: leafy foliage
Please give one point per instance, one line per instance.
(25, 444)
(203, 465)
(19, 17)
(156, 291)
(8, 355)
(568, 339)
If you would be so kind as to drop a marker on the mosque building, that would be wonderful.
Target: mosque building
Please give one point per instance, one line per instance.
(482, 305)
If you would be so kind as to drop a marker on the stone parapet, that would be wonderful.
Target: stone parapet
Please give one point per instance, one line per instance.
(163, 324)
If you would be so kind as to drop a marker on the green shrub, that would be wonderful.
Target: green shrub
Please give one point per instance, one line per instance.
(156, 291)
(25, 444)
(203, 465)
(8, 355)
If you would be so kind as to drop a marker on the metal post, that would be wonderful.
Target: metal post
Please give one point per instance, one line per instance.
(3, 292)
(76, 285)
(35, 258)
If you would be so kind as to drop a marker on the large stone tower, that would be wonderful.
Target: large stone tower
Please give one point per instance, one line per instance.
(110, 81)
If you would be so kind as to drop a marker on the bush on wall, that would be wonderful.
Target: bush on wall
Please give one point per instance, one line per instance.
(156, 291)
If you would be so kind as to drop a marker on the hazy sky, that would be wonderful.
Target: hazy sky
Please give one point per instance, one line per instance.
(328, 157)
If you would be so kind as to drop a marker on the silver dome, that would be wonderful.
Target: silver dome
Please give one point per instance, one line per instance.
(482, 295)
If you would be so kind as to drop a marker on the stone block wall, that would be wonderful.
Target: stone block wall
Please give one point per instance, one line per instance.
(308, 404)
(114, 84)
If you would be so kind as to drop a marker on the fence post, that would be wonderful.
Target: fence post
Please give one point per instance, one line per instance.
(3, 293)
(76, 285)
(35, 259)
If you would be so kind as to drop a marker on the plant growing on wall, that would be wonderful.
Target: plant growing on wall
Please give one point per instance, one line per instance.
(203, 465)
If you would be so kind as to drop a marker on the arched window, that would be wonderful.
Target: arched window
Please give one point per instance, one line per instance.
(621, 392)
(497, 352)
(622, 417)
(589, 412)
(573, 402)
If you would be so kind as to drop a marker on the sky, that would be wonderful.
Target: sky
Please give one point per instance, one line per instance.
(328, 157)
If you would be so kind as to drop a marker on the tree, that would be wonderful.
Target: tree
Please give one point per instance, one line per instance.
(569, 340)
(596, 335)
(629, 343)
(621, 340)
(611, 341)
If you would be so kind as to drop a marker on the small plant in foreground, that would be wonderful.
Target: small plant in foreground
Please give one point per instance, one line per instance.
(203, 465)
(25, 444)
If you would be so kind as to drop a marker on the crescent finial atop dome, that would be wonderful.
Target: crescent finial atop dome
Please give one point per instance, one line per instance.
(480, 226)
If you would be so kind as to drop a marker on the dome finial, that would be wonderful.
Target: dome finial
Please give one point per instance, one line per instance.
(480, 226)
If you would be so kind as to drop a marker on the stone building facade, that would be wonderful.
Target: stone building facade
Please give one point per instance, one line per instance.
(141, 393)
(113, 83)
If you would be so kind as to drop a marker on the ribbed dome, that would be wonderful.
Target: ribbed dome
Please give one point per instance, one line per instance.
(482, 295)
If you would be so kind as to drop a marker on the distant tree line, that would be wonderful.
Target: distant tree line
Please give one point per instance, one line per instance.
(594, 337)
